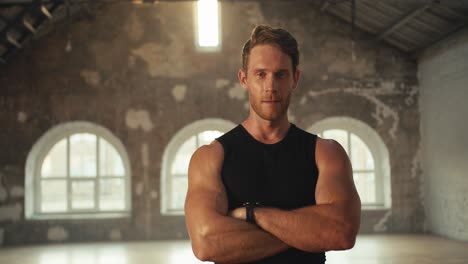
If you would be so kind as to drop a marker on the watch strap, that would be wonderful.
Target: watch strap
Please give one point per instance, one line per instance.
(250, 211)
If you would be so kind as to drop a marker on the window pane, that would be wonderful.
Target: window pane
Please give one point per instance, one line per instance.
(82, 194)
(112, 194)
(206, 137)
(83, 155)
(341, 136)
(361, 157)
(55, 163)
(179, 192)
(110, 162)
(53, 196)
(365, 184)
(182, 158)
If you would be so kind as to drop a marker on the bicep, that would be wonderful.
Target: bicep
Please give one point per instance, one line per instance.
(335, 183)
(206, 196)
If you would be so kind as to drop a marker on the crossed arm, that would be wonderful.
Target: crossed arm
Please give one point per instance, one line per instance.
(215, 235)
(225, 237)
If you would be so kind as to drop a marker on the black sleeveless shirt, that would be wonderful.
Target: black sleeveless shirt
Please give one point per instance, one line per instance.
(281, 175)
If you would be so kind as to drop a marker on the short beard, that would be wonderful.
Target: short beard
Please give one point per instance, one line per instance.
(272, 116)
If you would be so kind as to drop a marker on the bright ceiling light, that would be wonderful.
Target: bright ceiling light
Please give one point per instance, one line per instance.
(208, 23)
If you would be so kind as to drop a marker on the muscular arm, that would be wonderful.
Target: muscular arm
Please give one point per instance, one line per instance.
(333, 223)
(215, 235)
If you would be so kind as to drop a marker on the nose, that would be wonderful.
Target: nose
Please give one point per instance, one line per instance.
(270, 84)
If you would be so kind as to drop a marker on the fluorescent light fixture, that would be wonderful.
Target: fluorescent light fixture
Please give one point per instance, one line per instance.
(208, 23)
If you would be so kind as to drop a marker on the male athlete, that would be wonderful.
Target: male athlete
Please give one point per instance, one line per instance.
(267, 191)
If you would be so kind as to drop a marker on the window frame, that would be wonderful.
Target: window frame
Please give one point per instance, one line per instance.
(171, 149)
(377, 148)
(36, 158)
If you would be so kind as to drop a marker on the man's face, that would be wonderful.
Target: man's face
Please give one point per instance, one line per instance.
(270, 81)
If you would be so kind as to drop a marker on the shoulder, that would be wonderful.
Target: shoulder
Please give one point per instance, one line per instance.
(329, 151)
(205, 165)
(324, 144)
(213, 151)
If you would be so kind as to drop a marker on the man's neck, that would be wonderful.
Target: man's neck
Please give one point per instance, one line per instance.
(265, 131)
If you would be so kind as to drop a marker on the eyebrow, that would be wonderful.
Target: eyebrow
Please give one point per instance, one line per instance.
(262, 69)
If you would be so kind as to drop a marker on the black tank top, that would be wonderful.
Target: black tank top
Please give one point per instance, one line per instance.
(281, 175)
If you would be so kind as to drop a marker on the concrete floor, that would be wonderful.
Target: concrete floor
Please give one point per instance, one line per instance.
(369, 249)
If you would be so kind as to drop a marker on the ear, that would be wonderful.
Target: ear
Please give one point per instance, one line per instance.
(242, 76)
(296, 77)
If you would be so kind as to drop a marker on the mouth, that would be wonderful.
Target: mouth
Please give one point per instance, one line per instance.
(271, 101)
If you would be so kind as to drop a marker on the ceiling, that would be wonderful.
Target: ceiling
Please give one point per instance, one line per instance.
(411, 26)
(20, 22)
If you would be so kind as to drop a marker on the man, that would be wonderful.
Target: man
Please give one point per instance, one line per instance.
(267, 191)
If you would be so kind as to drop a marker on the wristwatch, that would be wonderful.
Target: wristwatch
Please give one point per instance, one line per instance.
(249, 211)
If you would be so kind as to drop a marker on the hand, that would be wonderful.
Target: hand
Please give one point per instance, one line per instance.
(238, 213)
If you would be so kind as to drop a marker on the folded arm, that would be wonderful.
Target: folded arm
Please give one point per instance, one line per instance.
(331, 224)
(215, 235)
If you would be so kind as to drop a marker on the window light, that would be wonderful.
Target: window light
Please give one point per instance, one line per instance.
(208, 23)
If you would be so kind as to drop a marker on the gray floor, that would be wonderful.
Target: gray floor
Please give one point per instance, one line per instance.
(369, 249)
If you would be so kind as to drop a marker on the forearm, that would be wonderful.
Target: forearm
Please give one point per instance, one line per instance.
(231, 240)
(314, 228)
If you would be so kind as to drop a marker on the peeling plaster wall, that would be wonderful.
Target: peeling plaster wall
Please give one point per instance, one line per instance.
(444, 130)
(135, 70)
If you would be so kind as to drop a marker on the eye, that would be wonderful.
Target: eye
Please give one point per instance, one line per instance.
(261, 74)
(280, 75)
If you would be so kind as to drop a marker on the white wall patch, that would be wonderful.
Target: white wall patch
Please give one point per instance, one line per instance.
(303, 100)
(179, 92)
(139, 188)
(221, 83)
(136, 119)
(237, 92)
(382, 110)
(22, 117)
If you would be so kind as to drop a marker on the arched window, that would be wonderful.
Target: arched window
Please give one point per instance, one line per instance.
(77, 170)
(174, 181)
(368, 155)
